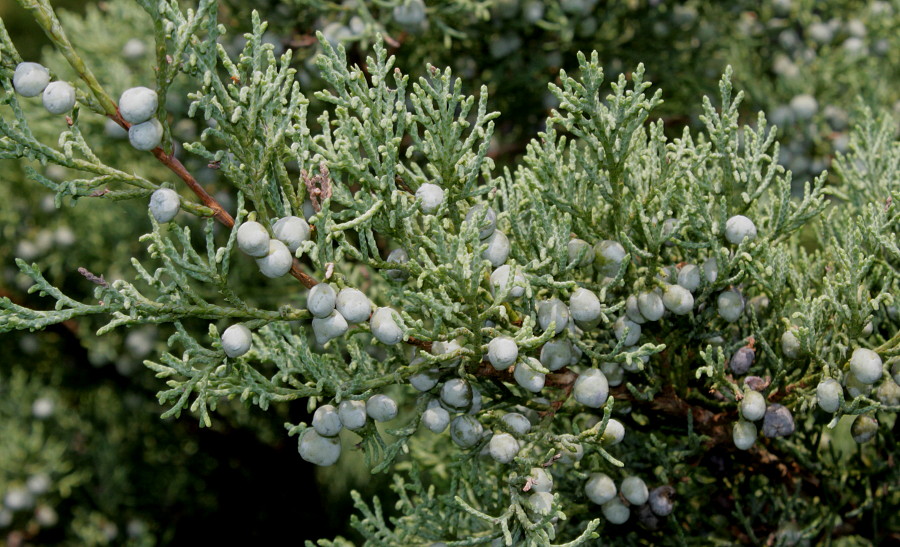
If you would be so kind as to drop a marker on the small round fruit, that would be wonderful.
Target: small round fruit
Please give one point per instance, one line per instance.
(58, 97)
(397, 256)
(528, 376)
(591, 388)
(566, 454)
(660, 501)
(354, 305)
(865, 364)
(742, 360)
(778, 422)
(599, 488)
(436, 419)
(517, 423)
(326, 421)
(145, 136)
(888, 393)
(678, 300)
(689, 277)
(608, 257)
(739, 228)
(633, 331)
(445, 347)
(409, 12)
(556, 354)
(635, 490)
(278, 260)
(541, 503)
(503, 278)
(497, 250)
(855, 388)
(253, 239)
(804, 106)
(753, 405)
(651, 305)
(465, 430)
(236, 340)
(381, 408)
(456, 393)
(541, 480)
(384, 327)
(730, 305)
(319, 450)
(30, 79)
(614, 433)
(576, 247)
(164, 204)
(584, 306)
(828, 395)
(863, 428)
(321, 299)
(616, 512)
(292, 231)
(430, 197)
(425, 380)
(790, 345)
(488, 219)
(330, 327)
(352, 414)
(138, 104)
(134, 49)
(632, 311)
(743, 434)
(711, 270)
(503, 447)
(613, 372)
(502, 352)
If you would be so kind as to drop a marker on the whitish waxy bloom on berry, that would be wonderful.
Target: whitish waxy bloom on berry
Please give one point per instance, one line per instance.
(503, 447)
(134, 49)
(487, 220)
(804, 106)
(689, 277)
(352, 414)
(567, 454)
(790, 345)
(164, 205)
(329, 327)
(397, 256)
(456, 393)
(730, 305)
(321, 299)
(738, 228)
(292, 231)
(319, 450)
(743, 434)
(599, 488)
(710, 270)
(584, 306)
(443, 347)
(430, 197)
(384, 327)
(502, 352)
(58, 97)
(753, 405)
(661, 500)
(614, 432)
(865, 364)
(828, 394)
(354, 305)
(742, 360)
(236, 340)
(634, 331)
(503, 278)
(616, 512)
(541, 503)
(591, 388)
(516, 423)
(138, 104)
(855, 387)
(778, 421)
(608, 257)
(613, 373)
(528, 376)
(632, 311)
(635, 490)
(436, 418)
(42, 408)
(253, 239)
(465, 430)
(278, 260)
(678, 300)
(30, 79)
(381, 408)
(326, 421)
(497, 250)
(863, 428)
(145, 136)
(576, 247)
(888, 393)
(651, 305)
(409, 12)
(425, 380)
(556, 354)
(541, 480)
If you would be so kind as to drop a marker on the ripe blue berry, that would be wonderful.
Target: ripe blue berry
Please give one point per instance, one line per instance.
(635, 490)
(465, 431)
(30, 79)
(568, 455)
(541, 480)
(865, 364)
(502, 352)
(888, 393)
(426, 380)
(517, 423)
(616, 512)
(436, 419)
(661, 500)
(650, 305)
(632, 311)
(487, 219)
(384, 327)
(397, 256)
(381, 408)
(753, 405)
(743, 434)
(553, 311)
(689, 277)
(253, 239)
(527, 374)
(352, 414)
(278, 260)
(804, 106)
(614, 433)
(599, 488)
(742, 360)
(321, 299)
(738, 228)
(354, 305)
(236, 340)
(442, 347)
(584, 306)
(790, 345)
(541, 503)
(730, 305)
(556, 354)
(580, 248)
(497, 250)
(503, 447)
(613, 373)
(711, 270)
(164, 204)
(828, 394)
(326, 421)
(608, 257)
(430, 197)
(591, 388)
(409, 12)
(778, 421)
(138, 104)
(330, 327)
(58, 97)
(145, 136)
(292, 231)
(503, 279)
(633, 331)
(319, 450)
(456, 393)
(678, 300)
(863, 428)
